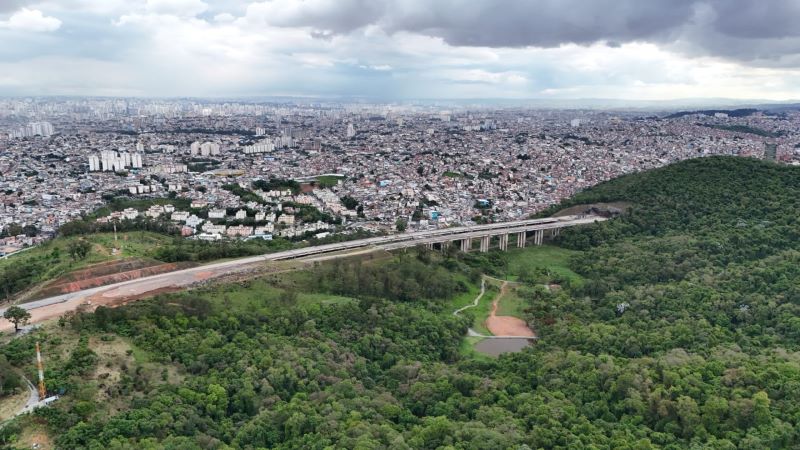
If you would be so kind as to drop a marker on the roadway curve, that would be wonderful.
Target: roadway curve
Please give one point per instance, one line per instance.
(55, 306)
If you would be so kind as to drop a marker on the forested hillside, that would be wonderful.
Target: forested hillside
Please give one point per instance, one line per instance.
(683, 332)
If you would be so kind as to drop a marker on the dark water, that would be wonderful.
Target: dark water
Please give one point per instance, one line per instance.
(494, 347)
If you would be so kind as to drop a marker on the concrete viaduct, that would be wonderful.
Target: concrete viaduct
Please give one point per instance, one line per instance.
(518, 231)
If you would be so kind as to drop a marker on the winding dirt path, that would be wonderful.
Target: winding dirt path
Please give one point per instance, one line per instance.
(506, 325)
(504, 288)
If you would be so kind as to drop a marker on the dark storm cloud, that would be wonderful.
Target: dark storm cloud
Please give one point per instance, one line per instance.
(544, 23)
(757, 19)
(746, 30)
(7, 6)
(492, 23)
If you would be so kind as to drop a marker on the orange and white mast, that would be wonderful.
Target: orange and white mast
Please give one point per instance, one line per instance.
(42, 392)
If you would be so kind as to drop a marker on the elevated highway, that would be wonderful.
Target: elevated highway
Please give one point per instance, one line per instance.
(533, 230)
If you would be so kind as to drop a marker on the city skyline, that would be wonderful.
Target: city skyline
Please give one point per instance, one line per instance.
(400, 50)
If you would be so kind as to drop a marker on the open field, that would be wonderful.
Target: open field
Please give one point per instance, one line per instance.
(548, 257)
(328, 180)
(465, 298)
(483, 309)
(132, 244)
(10, 404)
(511, 304)
(506, 325)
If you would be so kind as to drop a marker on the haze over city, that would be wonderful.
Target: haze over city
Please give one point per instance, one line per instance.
(398, 50)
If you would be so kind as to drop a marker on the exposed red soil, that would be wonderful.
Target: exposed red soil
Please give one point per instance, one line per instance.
(105, 268)
(65, 287)
(113, 301)
(506, 325)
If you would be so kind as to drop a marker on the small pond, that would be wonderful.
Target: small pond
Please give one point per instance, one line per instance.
(494, 347)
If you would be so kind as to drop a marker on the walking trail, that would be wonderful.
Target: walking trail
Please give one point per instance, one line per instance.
(502, 327)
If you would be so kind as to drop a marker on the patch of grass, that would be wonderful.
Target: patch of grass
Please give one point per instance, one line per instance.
(277, 290)
(326, 181)
(481, 312)
(464, 298)
(140, 356)
(308, 299)
(10, 404)
(452, 174)
(552, 258)
(34, 435)
(512, 304)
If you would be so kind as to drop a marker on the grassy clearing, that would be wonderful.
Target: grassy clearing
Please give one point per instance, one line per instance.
(512, 304)
(34, 435)
(10, 404)
(555, 259)
(326, 181)
(277, 289)
(484, 308)
(132, 244)
(464, 298)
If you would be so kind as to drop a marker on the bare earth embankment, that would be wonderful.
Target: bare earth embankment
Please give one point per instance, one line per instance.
(506, 325)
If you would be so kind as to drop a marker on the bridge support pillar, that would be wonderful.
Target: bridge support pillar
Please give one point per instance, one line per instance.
(485, 243)
(556, 232)
(429, 246)
(503, 242)
(443, 246)
(466, 245)
(538, 237)
(521, 240)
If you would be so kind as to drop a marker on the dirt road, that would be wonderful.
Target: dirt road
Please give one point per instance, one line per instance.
(506, 325)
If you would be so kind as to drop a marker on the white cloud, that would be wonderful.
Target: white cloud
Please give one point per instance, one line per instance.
(235, 47)
(30, 20)
(224, 18)
(186, 8)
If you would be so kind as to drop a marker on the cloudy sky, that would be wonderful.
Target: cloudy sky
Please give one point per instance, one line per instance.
(398, 49)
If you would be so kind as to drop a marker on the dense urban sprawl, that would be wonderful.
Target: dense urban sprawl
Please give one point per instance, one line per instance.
(254, 170)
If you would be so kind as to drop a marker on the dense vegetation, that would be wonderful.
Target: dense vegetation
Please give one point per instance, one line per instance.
(743, 129)
(195, 250)
(681, 329)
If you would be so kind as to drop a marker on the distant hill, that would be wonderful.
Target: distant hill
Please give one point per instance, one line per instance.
(742, 112)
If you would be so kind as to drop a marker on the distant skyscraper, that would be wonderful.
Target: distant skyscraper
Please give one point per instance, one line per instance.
(209, 149)
(351, 130)
(44, 129)
(261, 147)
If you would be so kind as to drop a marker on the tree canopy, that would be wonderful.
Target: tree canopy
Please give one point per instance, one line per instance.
(683, 332)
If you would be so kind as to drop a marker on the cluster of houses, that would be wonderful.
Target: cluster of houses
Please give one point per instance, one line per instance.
(266, 224)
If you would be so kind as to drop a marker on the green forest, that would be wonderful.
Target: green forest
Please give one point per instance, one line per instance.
(676, 326)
